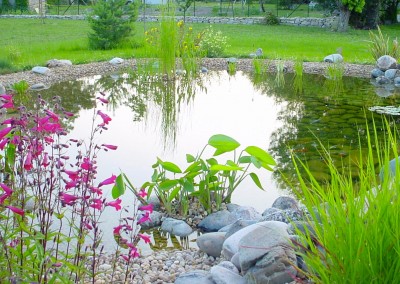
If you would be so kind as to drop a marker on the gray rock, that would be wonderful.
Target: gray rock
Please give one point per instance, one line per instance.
(58, 63)
(285, 216)
(382, 80)
(334, 58)
(261, 240)
(229, 265)
(2, 89)
(222, 275)
(155, 221)
(232, 207)
(180, 72)
(270, 211)
(116, 61)
(203, 69)
(216, 221)
(396, 80)
(231, 60)
(40, 70)
(285, 202)
(393, 164)
(259, 52)
(246, 213)
(237, 226)
(38, 87)
(194, 277)
(236, 260)
(155, 201)
(375, 73)
(391, 73)
(304, 227)
(211, 243)
(252, 55)
(176, 227)
(383, 93)
(386, 62)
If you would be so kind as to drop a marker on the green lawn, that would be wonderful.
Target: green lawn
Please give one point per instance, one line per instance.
(28, 42)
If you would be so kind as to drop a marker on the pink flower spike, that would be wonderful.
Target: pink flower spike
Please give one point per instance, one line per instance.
(148, 208)
(111, 147)
(45, 161)
(8, 121)
(145, 218)
(68, 199)
(8, 105)
(125, 257)
(145, 238)
(6, 189)
(117, 230)
(52, 115)
(73, 175)
(142, 193)
(133, 252)
(3, 197)
(5, 131)
(97, 204)
(105, 117)
(108, 181)
(16, 210)
(116, 204)
(103, 100)
(6, 97)
(87, 164)
(28, 162)
(96, 190)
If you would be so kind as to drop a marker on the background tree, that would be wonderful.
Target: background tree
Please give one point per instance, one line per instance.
(345, 9)
(112, 23)
(369, 17)
(390, 10)
(184, 5)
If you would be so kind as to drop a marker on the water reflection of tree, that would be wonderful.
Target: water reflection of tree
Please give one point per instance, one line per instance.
(320, 115)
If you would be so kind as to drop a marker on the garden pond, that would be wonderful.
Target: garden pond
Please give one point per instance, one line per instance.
(153, 117)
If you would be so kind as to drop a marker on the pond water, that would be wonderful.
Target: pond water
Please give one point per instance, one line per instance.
(153, 118)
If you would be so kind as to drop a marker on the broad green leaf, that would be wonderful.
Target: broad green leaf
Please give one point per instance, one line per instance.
(119, 187)
(222, 144)
(256, 180)
(146, 185)
(193, 167)
(154, 177)
(245, 160)
(225, 168)
(261, 155)
(173, 194)
(190, 158)
(231, 163)
(169, 166)
(192, 175)
(168, 184)
(188, 186)
(212, 161)
(266, 166)
(255, 162)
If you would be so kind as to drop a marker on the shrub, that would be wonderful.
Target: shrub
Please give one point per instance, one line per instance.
(380, 45)
(112, 23)
(213, 43)
(271, 19)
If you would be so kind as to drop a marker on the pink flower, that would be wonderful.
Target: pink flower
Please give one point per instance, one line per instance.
(16, 210)
(133, 252)
(97, 204)
(145, 238)
(28, 161)
(87, 164)
(45, 161)
(68, 199)
(52, 115)
(117, 230)
(13, 243)
(145, 218)
(148, 208)
(5, 131)
(108, 181)
(111, 147)
(6, 189)
(9, 104)
(71, 184)
(6, 97)
(3, 197)
(57, 264)
(142, 193)
(125, 257)
(103, 100)
(67, 113)
(116, 204)
(105, 117)
(96, 190)
(73, 175)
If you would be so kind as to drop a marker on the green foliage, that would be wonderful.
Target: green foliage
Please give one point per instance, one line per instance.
(380, 45)
(356, 230)
(20, 89)
(111, 23)
(353, 5)
(271, 19)
(206, 179)
(231, 68)
(213, 43)
(298, 77)
(6, 66)
(280, 76)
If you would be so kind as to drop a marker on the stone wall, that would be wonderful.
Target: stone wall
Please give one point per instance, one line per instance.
(330, 22)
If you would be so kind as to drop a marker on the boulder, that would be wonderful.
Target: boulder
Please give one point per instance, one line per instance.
(2, 89)
(232, 207)
(285, 202)
(381, 80)
(285, 216)
(270, 211)
(176, 227)
(391, 73)
(203, 69)
(223, 275)
(236, 226)
(375, 73)
(194, 277)
(334, 58)
(236, 261)
(259, 52)
(396, 80)
(229, 265)
(386, 62)
(155, 201)
(116, 61)
(211, 243)
(232, 60)
(217, 220)
(155, 220)
(58, 63)
(246, 213)
(38, 87)
(40, 70)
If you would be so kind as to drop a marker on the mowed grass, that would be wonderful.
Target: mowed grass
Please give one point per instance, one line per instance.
(28, 42)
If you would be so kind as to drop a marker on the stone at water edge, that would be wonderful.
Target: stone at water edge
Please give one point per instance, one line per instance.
(246, 213)
(376, 72)
(259, 52)
(38, 87)
(237, 226)
(203, 69)
(285, 216)
(2, 89)
(155, 220)
(391, 73)
(41, 70)
(194, 277)
(223, 275)
(216, 221)
(334, 58)
(176, 227)
(116, 61)
(285, 202)
(382, 80)
(386, 62)
(229, 265)
(58, 63)
(211, 243)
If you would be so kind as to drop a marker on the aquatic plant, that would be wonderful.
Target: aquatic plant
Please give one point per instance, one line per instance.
(354, 229)
(51, 203)
(206, 179)
(280, 77)
(257, 66)
(298, 77)
(231, 68)
(380, 45)
(334, 78)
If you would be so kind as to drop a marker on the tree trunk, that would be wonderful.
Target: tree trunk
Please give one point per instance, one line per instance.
(369, 18)
(390, 14)
(344, 16)
(262, 6)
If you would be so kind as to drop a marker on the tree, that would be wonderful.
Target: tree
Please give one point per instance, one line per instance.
(390, 10)
(184, 5)
(111, 22)
(345, 9)
(369, 18)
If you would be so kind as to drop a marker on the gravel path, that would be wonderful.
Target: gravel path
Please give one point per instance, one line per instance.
(59, 74)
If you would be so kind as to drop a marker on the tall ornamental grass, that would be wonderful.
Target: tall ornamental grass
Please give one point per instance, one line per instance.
(356, 223)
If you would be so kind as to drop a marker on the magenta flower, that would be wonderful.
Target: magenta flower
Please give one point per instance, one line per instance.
(148, 208)
(6, 189)
(45, 161)
(111, 147)
(145, 238)
(68, 114)
(145, 218)
(87, 164)
(116, 204)
(8, 121)
(105, 117)
(125, 257)
(133, 252)
(117, 230)
(13, 243)
(5, 131)
(9, 104)
(52, 115)
(97, 204)
(142, 193)
(73, 175)
(108, 181)
(68, 199)
(6, 97)
(103, 100)
(28, 161)
(96, 190)
(71, 184)
(16, 210)
(3, 197)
